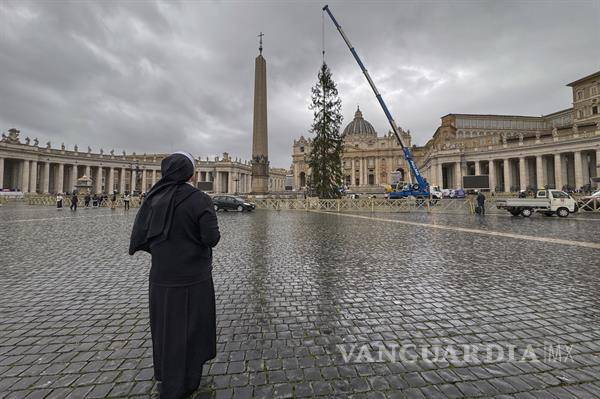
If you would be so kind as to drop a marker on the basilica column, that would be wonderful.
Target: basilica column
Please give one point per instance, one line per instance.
(352, 166)
(558, 181)
(73, 176)
(1, 173)
(122, 181)
(578, 170)
(477, 168)
(99, 179)
(522, 174)
(457, 179)
(492, 175)
(539, 172)
(144, 180)
(598, 165)
(33, 181)
(507, 176)
(110, 188)
(133, 180)
(61, 176)
(377, 170)
(46, 179)
(25, 177)
(440, 174)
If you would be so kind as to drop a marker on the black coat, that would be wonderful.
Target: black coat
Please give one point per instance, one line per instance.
(185, 257)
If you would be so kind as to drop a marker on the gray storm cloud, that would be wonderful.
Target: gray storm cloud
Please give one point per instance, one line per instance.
(159, 76)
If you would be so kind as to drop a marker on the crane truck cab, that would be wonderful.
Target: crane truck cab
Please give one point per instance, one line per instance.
(548, 202)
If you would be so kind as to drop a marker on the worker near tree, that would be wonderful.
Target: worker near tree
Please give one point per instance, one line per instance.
(481, 202)
(177, 225)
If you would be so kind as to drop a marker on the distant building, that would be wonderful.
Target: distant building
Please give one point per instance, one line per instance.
(561, 149)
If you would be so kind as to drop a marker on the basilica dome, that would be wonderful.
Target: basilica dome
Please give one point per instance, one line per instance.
(359, 126)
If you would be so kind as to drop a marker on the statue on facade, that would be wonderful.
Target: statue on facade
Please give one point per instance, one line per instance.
(48, 145)
(27, 140)
(112, 152)
(554, 131)
(124, 154)
(62, 146)
(36, 142)
(575, 128)
(520, 138)
(75, 148)
(89, 149)
(598, 125)
(537, 135)
(13, 136)
(504, 138)
(101, 151)
(4, 137)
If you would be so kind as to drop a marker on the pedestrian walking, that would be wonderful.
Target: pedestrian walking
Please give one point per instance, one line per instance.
(126, 199)
(481, 203)
(113, 200)
(178, 226)
(74, 201)
(59, 201)
(86, 200)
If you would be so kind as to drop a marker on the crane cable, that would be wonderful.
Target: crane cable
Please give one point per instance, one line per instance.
(323, 34)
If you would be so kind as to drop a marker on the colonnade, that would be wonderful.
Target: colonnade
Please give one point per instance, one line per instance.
(30, 176)
(572, 169)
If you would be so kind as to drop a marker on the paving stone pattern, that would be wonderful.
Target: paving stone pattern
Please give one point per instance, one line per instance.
(292, 287)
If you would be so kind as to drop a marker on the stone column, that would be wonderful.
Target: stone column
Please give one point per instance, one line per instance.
(153, 177)
(33, 180)
(122, 181)
(144, 180)
(110, 187)
(1, 173)
(133, 180)
(522, 174)
(440, 174)
(477, 167)
(98, 180)
(457, 174)
(578, 169)
(217, 185)
(46, 178)
(539, 172)
(492, 174)
(352, 166)
(507, 175)
(25, 177)
(598, 165)
(88, 171)
(61, 176)
(73, 177)
(558, 181)
(377, 170)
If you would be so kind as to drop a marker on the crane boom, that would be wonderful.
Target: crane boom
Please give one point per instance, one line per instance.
(423, 186)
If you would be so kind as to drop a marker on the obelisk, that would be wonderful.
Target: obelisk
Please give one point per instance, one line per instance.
(260, 153)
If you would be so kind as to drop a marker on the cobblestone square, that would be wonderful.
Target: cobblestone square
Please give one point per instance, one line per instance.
(306, 300)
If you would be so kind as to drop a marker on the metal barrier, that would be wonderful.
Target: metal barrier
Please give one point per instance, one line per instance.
(369, 205)
(50, 200)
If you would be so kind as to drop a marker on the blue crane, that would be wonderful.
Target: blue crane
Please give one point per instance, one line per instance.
(419, 189)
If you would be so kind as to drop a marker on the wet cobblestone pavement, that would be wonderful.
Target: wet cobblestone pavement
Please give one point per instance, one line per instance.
(296, 293)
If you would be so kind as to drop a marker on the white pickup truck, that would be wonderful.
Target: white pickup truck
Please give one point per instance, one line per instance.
(548, 202)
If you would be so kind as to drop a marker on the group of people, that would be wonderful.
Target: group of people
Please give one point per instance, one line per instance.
(94, 201)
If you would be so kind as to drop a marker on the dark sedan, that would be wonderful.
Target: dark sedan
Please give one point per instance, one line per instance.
(232, 203)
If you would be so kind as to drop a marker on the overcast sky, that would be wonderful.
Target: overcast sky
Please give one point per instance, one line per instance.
(158, 76)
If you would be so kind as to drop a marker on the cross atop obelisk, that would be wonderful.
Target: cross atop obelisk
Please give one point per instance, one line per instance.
(260, 152)
(260, 42)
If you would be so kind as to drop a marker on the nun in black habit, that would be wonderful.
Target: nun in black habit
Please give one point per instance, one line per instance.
(177, 225)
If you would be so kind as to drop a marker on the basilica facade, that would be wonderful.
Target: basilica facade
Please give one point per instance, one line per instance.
(561, 149)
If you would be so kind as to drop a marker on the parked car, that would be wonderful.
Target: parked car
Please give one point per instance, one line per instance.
(232, 203)
(590, 202)
(459, 193)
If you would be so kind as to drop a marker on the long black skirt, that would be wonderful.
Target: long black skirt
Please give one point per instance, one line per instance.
(183, 327)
